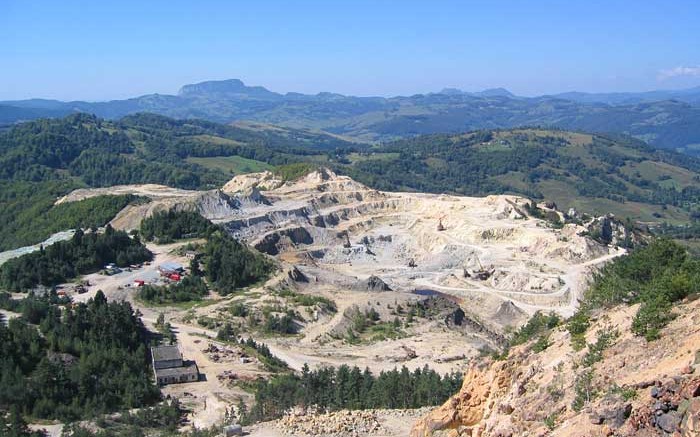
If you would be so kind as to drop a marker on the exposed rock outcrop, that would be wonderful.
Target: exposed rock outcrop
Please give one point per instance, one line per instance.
(296, 275)
(373, 283)
(467, 409)
(635, 388)
(214, 204)
(264, 180)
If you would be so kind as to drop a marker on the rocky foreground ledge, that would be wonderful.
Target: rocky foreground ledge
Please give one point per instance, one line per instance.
(636, 388)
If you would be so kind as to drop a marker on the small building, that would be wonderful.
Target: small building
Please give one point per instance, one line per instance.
(191, 254)
(175, 375)
(168, 268)
(169, 367)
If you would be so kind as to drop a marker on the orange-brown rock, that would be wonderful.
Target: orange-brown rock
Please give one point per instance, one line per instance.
(466, 410)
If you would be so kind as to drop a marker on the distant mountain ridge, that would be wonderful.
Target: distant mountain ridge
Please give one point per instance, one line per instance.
(690, 95)
(667, 119)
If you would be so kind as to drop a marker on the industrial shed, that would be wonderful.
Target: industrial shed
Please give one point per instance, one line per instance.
(169, 367)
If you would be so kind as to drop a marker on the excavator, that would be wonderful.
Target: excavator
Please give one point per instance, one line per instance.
(440, 226)
(481, 274)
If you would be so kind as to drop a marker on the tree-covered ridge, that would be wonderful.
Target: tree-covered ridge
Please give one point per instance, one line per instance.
(352, 388)
(656, 276)
(83, 253)
(49, 371)
(35, 218)
(593, 173)
(143, 148)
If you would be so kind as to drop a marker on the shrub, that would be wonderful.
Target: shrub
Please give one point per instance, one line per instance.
(653, 315)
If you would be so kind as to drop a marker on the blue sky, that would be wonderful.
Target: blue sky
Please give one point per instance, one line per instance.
(96, 50)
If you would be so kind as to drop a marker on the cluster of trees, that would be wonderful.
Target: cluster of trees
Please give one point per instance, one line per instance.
(283, 324)
(64, 260)
(12, 424)
(230, 264)
(690, 231)
(77, 363)
(162, 419)
(270, 361)
(33, 310)
(190, 288)
(167, 226)
(351, 388)
(656, 276)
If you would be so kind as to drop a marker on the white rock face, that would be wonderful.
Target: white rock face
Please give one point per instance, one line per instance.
(534, 267)
(343, 226)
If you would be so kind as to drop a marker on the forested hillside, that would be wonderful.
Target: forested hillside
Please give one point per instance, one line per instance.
(45, 159)
(593, 173)
(49, 359)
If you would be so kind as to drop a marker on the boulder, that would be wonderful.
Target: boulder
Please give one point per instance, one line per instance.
(669, 422)
(612, 412)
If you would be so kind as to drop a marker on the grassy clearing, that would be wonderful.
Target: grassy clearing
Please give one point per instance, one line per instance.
(231, 164)
(565, 196)
(372, 156)
(211, 139)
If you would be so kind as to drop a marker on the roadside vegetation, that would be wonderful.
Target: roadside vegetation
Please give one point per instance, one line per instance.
(351, 388)
(655, 276)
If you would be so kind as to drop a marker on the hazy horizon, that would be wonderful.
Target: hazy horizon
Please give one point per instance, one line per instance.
(437, 90)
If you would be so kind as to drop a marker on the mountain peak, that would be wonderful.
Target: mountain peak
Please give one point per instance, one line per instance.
(490, 92)
(228, 87)
(495, 92)
(451, 91)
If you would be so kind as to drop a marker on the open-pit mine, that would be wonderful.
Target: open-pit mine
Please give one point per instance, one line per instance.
(445, 278)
